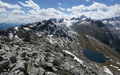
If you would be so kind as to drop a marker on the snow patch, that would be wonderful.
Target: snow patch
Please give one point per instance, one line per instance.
(118, 69)
(73, 32)
(38, 34)
(32, 25)
(117, 28)
(105, 22)
(85, 22)
(75, 58)
(26, 28)
(96, 65)
(16, 28)
(16, 37)
(107, 70)
(118, 63)
(115, 67)
(14, 31)
(68, 23)
(111, 60)
(10, 35)
(87, 36)
(51, 40)
(83, 18)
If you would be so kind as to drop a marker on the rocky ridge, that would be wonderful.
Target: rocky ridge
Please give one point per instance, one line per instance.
(113, 24)
(44, 48)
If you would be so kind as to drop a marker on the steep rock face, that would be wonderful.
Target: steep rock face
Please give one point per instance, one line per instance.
(99, 31)
(113, 24)
(32, 31)
(45, 48)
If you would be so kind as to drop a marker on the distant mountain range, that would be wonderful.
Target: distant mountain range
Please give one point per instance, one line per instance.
(7, 25)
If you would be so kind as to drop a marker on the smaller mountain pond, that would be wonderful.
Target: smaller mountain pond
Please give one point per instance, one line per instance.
(94, 56)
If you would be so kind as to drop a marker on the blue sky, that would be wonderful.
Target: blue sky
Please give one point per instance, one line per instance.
(24, 10)
(67, 3)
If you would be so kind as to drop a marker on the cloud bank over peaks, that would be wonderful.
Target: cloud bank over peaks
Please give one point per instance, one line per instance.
(95, 11)
(34, 12)
(29, 11)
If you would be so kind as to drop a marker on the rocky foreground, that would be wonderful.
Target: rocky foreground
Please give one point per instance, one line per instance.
(24, 58)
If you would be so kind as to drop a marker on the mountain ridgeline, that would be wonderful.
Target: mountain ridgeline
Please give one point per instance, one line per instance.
(113, 24)
(99, 31)
(50, 47)
(30, 32)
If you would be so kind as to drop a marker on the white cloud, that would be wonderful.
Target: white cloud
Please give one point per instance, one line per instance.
(18, 12)
(13, 13)
(8, 5)
(30, 4)
(94, 6)
(59, 4)
(95, 11)
(97, 5)
(33, 14)
(3, 10)
(87, 0)
(59, 7)
(76, 8)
